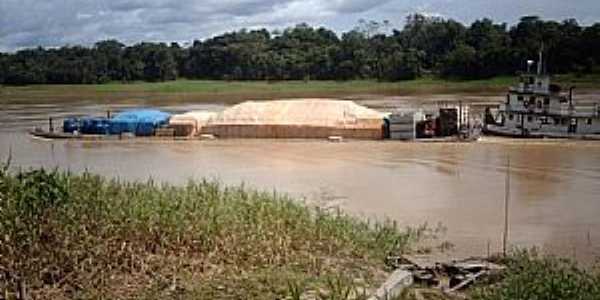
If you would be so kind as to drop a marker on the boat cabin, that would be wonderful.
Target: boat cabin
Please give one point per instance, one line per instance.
(536, 107)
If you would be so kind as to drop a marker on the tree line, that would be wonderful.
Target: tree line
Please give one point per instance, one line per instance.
(425, 45)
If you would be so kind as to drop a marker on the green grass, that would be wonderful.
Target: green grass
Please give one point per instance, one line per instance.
(533, 276)
(84, 236)
(235, 91)
(66, 236)
(355, 86)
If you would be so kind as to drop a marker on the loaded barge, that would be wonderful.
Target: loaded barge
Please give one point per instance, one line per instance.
(301, 118)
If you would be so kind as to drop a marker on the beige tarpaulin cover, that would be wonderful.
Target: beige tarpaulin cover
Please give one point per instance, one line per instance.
(306, 118)
(310, 112)
(190, 123)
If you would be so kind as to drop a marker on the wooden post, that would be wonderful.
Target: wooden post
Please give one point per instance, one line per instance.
(506, 200)
(589, 238)
(22, 291)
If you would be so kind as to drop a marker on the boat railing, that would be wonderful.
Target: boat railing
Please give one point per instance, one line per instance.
(529, 90)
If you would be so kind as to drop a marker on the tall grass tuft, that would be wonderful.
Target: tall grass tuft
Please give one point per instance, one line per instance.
(80, 236)
(533, 276)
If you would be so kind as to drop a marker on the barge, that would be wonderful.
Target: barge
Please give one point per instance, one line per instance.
(289, 119)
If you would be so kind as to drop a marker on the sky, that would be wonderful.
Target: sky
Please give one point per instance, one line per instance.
(53, 23)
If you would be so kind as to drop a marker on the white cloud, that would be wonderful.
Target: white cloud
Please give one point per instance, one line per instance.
(29, 23)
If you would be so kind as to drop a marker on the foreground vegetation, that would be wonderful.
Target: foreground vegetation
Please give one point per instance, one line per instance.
(82, 236)
(68, 236)
(533, 276)
(425, 45)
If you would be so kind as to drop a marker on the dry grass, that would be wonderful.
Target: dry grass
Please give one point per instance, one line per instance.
(219, 91)
(83, 236)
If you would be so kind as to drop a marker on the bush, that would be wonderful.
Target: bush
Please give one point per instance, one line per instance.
(530, 276)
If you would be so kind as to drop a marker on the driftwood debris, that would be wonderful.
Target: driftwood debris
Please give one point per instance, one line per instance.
(394, 285)
(445, 273)
(468, 281)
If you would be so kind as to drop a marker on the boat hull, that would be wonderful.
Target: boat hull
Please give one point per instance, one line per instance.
(65, 136)
(518, 133)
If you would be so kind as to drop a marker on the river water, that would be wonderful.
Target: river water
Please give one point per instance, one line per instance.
(554, 196)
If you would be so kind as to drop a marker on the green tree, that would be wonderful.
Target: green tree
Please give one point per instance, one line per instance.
(425, 44)
(492, 44)
(109, 58)
(462, 62)
(589, 48)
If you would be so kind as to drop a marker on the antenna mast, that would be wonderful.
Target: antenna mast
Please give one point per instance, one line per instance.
(540, 60)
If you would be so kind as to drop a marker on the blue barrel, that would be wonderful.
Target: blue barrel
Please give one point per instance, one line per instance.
(95, 126)
(144, 129)
(71, 125)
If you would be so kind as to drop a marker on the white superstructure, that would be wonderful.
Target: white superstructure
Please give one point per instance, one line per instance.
(538, 108)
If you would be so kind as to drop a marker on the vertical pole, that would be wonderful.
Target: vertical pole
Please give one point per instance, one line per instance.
(540, 65)
(522, 116)
(506, 200)
(589, 238)
(459, 116)
(50, 125)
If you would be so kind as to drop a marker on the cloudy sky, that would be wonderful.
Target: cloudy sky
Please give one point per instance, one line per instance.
(29, 23)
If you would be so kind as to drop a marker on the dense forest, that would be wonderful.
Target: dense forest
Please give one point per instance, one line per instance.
(425, 45)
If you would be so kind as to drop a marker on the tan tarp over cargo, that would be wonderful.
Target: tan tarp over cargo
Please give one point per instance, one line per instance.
(310, 118)
(190, 123)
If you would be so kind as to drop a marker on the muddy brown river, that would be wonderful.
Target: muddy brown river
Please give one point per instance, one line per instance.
(555, 185)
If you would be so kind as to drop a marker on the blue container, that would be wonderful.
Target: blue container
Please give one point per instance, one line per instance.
(71, 125)
(145, 129)
(141, 122)
(94, 125)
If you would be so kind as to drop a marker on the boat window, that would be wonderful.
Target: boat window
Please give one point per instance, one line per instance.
(507, 98)
(511, 117)
(529, 119)
(588, 121)
(531, 80)
(556, 121)
(564, 121)
(547, 101)
(539, 104)
(520, 98)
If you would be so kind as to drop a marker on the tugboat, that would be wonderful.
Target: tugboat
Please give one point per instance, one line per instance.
(536, 108)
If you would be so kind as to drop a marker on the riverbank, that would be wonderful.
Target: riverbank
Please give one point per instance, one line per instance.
(236, 91)
(83, 236)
